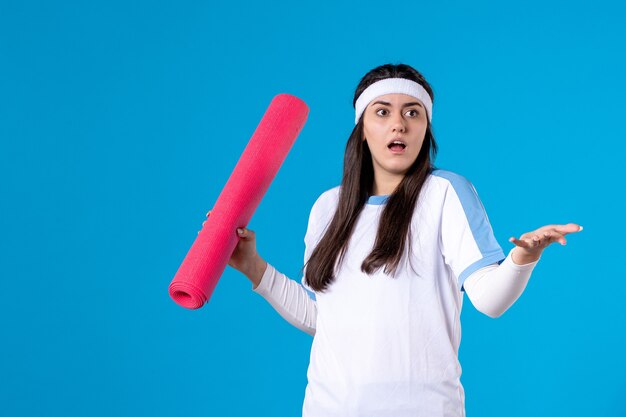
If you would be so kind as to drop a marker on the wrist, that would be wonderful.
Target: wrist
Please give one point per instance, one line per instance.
(521, 257)
(256, 271)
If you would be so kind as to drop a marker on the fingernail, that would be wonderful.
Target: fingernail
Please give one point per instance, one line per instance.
(240, 231)
(581, 228)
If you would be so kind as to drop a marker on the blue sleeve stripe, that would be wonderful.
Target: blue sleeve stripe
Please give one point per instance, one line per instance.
(478, 222)
(481, 263)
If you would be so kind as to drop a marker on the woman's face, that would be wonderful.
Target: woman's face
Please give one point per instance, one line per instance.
(389, 117)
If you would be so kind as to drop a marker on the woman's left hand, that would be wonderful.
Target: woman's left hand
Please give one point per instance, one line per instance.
(530, 245)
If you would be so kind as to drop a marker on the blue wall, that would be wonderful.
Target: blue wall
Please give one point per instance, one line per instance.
(120, 122)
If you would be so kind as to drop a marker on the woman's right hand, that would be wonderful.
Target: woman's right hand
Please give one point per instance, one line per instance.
(245, 257)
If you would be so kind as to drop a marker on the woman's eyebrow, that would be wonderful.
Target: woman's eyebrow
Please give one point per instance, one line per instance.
(404, 105)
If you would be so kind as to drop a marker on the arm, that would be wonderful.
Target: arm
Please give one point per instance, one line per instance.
(295, 302)
(494, 288)
(289, 298)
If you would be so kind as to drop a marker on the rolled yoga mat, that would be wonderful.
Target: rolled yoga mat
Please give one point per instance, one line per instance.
(272, 140)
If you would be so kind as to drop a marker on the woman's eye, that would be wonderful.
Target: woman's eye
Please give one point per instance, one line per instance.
(415, 112)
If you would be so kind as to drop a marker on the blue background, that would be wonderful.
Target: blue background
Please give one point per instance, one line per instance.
(120, 122)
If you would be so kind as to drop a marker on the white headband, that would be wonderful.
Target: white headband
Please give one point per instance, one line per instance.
(389, 86)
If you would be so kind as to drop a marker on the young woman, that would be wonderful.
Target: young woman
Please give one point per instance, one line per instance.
(389, 253)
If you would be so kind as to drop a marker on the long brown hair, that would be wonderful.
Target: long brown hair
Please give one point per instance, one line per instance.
(356, 186)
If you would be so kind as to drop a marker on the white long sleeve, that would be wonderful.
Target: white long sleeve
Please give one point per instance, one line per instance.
(494, 288)
(289, 298)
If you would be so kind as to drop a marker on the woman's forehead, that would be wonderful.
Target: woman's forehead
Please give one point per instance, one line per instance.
(395, 99)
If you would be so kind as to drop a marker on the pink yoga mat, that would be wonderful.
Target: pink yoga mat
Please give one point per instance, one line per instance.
(272, 140)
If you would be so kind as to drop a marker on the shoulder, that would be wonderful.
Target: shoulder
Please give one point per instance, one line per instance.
(459, 192)
(326, 201)
(446, 177)
(446, 180)
(327, 197)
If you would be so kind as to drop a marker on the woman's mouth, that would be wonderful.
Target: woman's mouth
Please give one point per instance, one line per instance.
(397, 148)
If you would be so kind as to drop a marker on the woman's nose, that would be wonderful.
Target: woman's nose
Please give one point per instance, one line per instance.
(398, 123)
